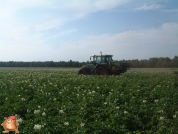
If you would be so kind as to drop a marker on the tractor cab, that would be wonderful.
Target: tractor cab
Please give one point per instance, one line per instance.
(97, 59)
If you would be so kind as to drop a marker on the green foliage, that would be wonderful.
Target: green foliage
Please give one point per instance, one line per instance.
(60, 101)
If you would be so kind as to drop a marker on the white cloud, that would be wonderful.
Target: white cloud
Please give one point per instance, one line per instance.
(149, 7)
(22, 20)
(61, 11)
(126, 45)
(88, 6)
(130, 44)
(67, 32)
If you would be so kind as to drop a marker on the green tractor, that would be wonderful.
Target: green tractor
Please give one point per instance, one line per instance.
(104, 65)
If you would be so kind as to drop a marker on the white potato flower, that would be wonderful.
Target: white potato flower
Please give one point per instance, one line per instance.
(38, 127)
(93, 92)
(144, 101)
(125, 112)
(174, 116)
(82, 124)
(19, 120)
(36, 111)
(23, 99)
(117, 107)
(61, 111)
(43, 114)
(161, 118)
(105, 103)
(156, 101)
(66, 123)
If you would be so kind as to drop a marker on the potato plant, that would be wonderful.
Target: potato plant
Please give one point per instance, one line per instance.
(55, 100)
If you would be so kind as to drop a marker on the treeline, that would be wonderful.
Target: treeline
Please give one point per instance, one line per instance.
(162, 62)
(42, 64)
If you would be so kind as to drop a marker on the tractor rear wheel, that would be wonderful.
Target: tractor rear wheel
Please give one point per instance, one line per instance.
(101, 71)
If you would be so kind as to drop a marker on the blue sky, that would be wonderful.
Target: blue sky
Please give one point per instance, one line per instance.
(58, 30)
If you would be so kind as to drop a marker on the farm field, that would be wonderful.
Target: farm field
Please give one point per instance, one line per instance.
(55, 100)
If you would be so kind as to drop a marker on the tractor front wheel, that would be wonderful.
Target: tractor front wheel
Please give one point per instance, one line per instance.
(82, 71)
(101, 71)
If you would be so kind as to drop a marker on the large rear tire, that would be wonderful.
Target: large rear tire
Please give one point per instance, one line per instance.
(101, 71)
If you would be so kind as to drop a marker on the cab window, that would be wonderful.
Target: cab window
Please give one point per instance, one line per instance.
(98, 59)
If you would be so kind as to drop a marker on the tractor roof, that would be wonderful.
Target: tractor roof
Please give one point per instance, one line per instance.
(102, 55)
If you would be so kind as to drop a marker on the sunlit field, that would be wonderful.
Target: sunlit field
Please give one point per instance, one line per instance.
(58, 100)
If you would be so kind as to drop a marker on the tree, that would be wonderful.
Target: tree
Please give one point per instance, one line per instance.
(175, 61)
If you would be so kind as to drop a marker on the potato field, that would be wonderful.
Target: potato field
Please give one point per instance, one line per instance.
(59, 101)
